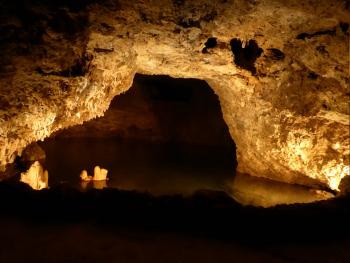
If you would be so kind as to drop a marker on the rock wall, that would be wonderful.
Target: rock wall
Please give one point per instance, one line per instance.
(279, 68)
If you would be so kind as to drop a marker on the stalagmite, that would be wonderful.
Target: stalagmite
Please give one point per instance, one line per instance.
(84, 176)
(36, 177)
(100, 174)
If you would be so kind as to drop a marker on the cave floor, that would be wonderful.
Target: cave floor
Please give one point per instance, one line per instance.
(31, 242)
(63, 224)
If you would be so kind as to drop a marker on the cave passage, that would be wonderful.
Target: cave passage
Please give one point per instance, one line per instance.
(163, 136)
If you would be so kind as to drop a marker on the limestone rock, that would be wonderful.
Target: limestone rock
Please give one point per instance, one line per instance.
(279, 68)
(85, 177)
(33, 153)
(100, 174)
(36, 177)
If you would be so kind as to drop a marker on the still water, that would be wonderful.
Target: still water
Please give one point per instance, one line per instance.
(146, 167)
(165, 169)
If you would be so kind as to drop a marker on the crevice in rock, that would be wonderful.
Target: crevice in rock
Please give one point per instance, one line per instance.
(68, 24)
(276, 54)
(144, 17)
(322, 49)
(186, 22)
(312, 75)
(178, 3)
(304, 36)
(347, 5)
(209, 16)
(246, 56)
(211, 43)
(103, 50)
(106, 29)
(79, 68)
(64, 86)
(344, 26)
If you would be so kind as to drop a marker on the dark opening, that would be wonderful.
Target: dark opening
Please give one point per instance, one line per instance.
(304, 36)
(344, 26)
(211, 43)
(164, 136)
(245, 57)
(275, 54)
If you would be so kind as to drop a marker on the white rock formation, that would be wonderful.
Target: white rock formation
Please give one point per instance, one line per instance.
(100, 174)
(36, 177)
(85, 177)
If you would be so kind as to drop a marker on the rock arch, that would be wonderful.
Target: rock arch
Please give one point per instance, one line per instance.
(289, 118)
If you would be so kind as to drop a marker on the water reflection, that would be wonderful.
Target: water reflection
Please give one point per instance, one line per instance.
(93, 184)
(250, 190)
(165, 169)
(155, 168)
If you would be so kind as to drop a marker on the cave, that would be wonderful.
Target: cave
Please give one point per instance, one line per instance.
(163, 136)
(174, 131)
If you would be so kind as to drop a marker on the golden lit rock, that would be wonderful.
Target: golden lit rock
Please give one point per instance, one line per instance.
(100, 174)
(85, 177)
(33, 153)
(36, 177)
(280, 69)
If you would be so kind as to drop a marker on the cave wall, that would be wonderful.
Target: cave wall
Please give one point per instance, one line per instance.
(279, 68)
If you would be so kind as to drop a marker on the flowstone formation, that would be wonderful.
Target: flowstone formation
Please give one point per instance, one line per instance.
(36, 177)
(100, 174)
(279, 68)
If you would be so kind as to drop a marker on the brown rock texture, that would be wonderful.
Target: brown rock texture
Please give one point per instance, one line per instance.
(280, 69)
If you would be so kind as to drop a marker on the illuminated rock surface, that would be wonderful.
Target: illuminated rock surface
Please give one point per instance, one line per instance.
(85, 177)
(100, 174)
(33, 153)
(284, 91)
(36, 177)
